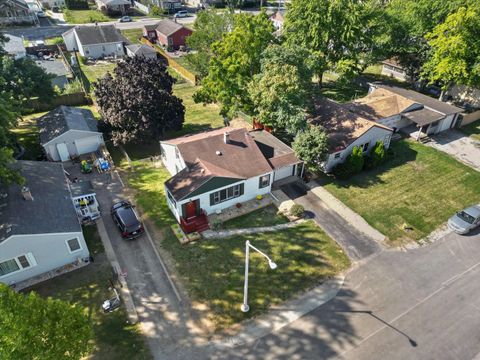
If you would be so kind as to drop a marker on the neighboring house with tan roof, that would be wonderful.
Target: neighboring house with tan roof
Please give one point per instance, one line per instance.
(398, 108)
(347, 130)
(217, 169)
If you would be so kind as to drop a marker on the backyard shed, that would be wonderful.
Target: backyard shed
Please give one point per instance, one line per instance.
(68, 132)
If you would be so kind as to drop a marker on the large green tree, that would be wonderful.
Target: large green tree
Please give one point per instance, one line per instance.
(137, 102)
(37, 328)
(341, 35)
(311, 146)
(408, 22)
(282, 92)
(455, 49)
(209, 27)
(235, 60)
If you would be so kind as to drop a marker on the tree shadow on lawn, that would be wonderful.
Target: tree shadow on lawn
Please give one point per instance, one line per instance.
(399, 153)
(213, 270)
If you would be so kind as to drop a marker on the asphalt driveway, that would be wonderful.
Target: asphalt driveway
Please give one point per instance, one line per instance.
(464, 148)
(357, 245)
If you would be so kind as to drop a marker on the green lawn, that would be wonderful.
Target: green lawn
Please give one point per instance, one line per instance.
(96, 71)
(420, 187)
(182, 61)
(266, 216)
(26, 133)
(88, 288)
(472, 129)
(132, 35)
(213, 270)
(342, 92)
(84, 16)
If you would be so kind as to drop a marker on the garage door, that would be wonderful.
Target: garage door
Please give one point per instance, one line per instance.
(283, 172)
(86, 145)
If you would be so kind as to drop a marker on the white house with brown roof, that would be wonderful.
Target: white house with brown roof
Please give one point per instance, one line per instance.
(217, 169)
(346, 130)
(398, 108)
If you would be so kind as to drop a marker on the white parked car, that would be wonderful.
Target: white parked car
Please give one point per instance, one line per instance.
(125, 19)
(181, 14)
(41, 14)
(466, 220)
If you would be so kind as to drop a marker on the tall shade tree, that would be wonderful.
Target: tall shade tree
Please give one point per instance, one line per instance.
(37, 328)
(340, 34)
(282, 92)
(311, 146)
(455, 49)
(137, 102)
(235, 60)
(408, 22)
(209, 27)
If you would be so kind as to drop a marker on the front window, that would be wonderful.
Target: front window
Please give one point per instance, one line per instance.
(16, 264)
(264, 181)
(226, 194)
(365, 147)
(8, 267)
(337, 155)
(73, 245)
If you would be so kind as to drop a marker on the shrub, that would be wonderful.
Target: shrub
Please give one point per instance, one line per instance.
(76, 4)
(352, 165)
(73, 87)
(297, 210)
(157, 11)
(215, 224)
(377, 156)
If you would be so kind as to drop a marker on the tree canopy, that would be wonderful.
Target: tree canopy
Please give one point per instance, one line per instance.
(311, 146)
(282, 92)
(209, 27)
(340, 35)
(235, 60)
(455, 49)
(37, 328)
(137, 102)
(20, 80)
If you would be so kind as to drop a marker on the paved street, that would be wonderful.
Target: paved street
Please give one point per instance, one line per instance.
(421, 304)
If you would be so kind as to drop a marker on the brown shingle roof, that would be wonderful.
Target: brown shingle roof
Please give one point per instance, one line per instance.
(168, 27)
(342, 126)
(241, 158)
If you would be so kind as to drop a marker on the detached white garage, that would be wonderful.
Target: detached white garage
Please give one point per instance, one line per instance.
(68, 132)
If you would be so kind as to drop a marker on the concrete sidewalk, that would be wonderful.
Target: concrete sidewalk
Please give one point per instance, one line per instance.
(281, 315)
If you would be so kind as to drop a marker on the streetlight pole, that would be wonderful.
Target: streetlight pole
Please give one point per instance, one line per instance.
(272, 265)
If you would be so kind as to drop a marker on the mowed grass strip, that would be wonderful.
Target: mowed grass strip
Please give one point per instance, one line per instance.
(213, 270)
(419, 188)
(472, 130)
(266, 216)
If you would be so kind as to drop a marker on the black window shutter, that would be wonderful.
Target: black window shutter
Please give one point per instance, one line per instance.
(212, 200)
(242, 185)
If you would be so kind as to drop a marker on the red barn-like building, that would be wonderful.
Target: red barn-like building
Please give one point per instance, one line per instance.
(167, 33)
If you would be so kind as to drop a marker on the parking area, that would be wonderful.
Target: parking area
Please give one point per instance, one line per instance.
(464, 148)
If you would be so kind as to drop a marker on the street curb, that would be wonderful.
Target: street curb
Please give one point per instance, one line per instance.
(282, 315)
(124, 290)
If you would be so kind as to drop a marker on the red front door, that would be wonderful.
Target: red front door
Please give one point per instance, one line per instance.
(191, 209)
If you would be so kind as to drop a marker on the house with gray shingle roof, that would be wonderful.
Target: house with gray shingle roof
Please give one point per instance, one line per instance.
(14, 46)
(168, 33)
(141, 50)
(40, 231)
(96, 41)
(68, 132)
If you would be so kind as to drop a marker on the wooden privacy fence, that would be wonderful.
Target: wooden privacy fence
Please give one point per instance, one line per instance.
(172, 63)
(74, 99)
(469, 118)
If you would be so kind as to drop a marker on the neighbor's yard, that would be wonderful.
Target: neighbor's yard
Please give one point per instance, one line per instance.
(84, 16)
(419, 188)
(132, 35)
(212, 270)
(26, 134)
(88, 288)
